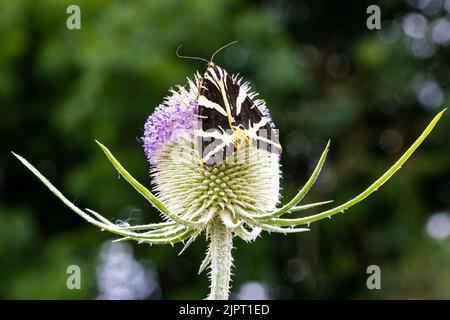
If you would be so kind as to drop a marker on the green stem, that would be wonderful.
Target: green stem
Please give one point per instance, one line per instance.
(221, 260)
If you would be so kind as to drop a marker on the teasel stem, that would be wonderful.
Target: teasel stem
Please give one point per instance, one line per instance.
(221, 244)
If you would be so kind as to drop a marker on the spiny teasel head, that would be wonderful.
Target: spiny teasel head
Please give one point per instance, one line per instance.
(233, 191)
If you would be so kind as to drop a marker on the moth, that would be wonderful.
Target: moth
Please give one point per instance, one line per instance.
(229, 116)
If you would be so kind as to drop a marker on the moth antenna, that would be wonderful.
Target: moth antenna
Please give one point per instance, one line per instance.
(220, 49)
(188, 57)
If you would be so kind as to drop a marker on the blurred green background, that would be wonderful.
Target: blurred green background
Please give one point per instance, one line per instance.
(323, 74)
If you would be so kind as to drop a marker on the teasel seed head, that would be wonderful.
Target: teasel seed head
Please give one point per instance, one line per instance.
(245, 185)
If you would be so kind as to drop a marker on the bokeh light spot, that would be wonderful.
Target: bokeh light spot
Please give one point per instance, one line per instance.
(253, 290)
(338, 65)
(438, 225)
(121, 277)
(430, 95)
(391, 141)
(415, 25)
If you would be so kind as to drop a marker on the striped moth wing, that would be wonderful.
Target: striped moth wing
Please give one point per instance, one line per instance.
(230, 118)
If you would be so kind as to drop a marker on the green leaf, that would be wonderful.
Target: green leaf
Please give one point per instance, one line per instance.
(303, 191)
(145, 192)
(103, 223)
(372, 188)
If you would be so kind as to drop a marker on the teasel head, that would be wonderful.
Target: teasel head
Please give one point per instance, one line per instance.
(235, 197)
(233, 191)
(223, 197)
